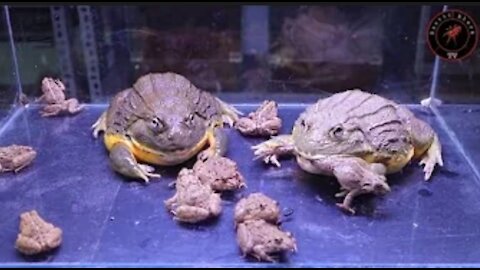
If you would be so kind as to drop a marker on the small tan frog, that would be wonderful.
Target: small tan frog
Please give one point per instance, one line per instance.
(193, 202)
(54, 97)
(220, 173)
(263, 122)
(36, 235)
(257, 206)
(260, 239)
(16, 157)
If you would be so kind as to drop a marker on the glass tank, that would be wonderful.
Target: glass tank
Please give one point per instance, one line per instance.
(70, 198)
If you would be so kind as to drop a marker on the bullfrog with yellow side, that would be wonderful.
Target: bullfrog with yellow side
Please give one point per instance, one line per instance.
(358, 137)
(162, 120)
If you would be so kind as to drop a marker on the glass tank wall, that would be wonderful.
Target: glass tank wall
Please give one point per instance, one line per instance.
(9, 85)
(244, 54)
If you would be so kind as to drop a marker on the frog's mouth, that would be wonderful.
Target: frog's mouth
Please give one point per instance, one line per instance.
(167, 157)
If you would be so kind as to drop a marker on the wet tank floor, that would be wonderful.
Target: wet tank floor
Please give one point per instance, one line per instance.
(108, 219)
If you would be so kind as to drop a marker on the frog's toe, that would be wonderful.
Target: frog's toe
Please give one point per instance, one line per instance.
(146, 168)
(432, 157)
(267, 153)
(206, 154)
(147, 171)
(141, 173)
(229, 120)
(123, 161)
(273, 159)
(429, 163)
(346, 208)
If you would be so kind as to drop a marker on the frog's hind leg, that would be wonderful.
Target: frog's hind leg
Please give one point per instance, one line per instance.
(271, 149)
(100, 125)
(123, 162)
(230, 114)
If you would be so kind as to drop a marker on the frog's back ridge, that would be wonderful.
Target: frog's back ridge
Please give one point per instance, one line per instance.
(379, 118)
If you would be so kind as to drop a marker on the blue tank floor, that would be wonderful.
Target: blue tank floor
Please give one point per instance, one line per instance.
(110, 220)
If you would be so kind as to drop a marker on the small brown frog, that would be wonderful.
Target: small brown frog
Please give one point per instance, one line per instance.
(220, 173)
(263, 122)
(193, 201)
(260, 239)
(16, 157)
(36, 235)
(257, 206)
(357, 181)
(54, 97)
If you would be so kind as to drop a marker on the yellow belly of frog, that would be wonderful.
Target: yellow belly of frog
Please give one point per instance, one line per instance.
(394, 163)
(149, 155)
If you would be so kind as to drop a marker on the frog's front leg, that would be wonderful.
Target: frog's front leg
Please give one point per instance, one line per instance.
(270, 150)
(230, 114)
(217, 141)
(100, 125)
(427, 146)
(123, 162)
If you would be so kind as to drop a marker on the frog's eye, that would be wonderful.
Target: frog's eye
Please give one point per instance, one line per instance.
(366, 186)
(337, 132)
(156, 123)
(190, 117)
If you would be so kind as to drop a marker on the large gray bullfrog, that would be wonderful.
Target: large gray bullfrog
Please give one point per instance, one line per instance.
(357, 137)
(162, 120)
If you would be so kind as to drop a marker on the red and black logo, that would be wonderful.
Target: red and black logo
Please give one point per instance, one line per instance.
(452, 35)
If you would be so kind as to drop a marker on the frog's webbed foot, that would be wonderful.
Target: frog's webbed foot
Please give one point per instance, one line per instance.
(230, 114)
(432, 157)
(123, 162)
(270, 150)
(100, 125)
